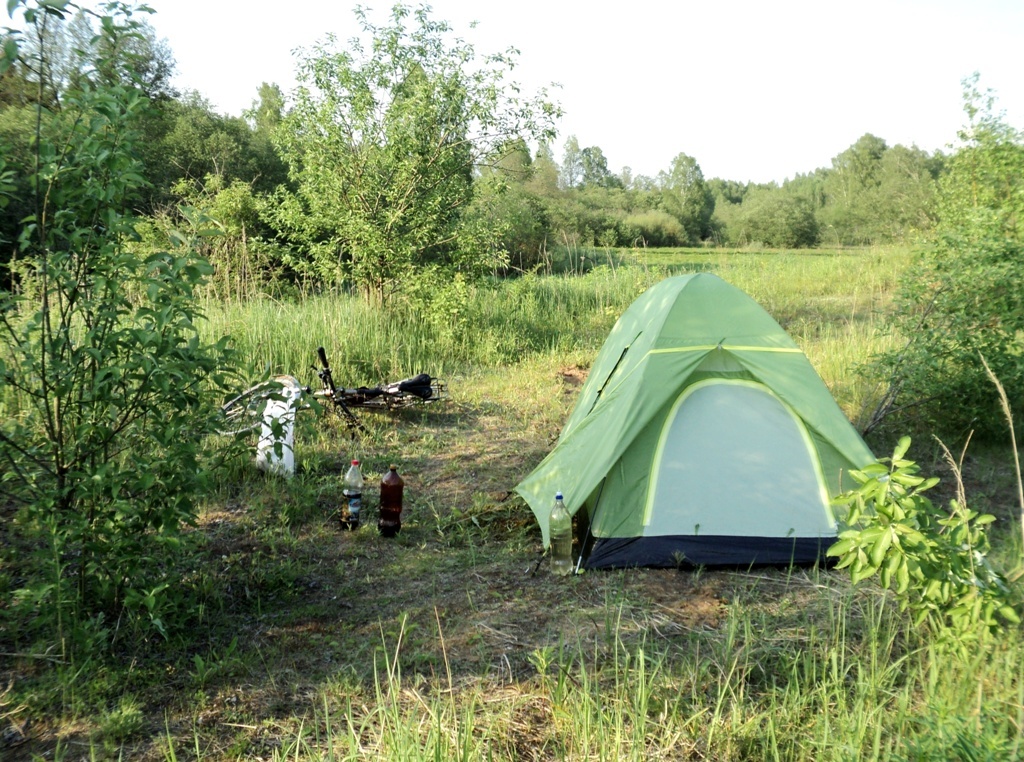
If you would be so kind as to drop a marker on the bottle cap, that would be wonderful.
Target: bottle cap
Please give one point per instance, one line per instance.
(393, 467)
(558, 496)
(355, 462)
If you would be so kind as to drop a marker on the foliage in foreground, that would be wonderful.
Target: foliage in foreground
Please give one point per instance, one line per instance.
(934, 560)
(836, 682)
(104, 378)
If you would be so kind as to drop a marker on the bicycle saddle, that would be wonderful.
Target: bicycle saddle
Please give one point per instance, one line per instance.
(417, 385)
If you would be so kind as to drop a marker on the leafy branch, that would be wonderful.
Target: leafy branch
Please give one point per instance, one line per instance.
(934, 560)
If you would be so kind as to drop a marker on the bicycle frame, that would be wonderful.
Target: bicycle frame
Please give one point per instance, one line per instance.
(244, 413)
(418, 389)
(328, 381)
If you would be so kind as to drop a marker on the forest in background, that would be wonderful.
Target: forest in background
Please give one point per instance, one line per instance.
(239, 171)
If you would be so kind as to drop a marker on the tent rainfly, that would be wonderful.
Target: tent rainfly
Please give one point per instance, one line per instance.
(702, 436)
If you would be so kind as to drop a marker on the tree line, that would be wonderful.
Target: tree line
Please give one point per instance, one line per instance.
(872, 193)
(392, 158)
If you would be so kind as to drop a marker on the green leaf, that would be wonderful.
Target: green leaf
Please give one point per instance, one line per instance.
(1009, 613)
(901, 448)
(845, 561)
(862, 574)
(873, 470)
(902, 577)
(907, 480)
(880, 547)
(891, 567)
(841, 547)
(8, 53)
(871, 534)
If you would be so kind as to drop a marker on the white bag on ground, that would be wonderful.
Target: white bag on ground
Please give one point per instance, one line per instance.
(276, 454)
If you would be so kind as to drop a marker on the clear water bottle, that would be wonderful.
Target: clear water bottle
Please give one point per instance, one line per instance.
(560, 529)
(353, 493)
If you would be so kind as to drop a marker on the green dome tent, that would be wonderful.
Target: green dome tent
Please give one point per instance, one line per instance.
(702, 436)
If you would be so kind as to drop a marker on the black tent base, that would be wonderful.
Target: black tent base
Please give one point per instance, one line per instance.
(687, 551)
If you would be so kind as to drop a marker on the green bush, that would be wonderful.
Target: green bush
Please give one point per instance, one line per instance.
(963, 301)
(933, 559)
(102, 362)
(777, 220)
(654, 227)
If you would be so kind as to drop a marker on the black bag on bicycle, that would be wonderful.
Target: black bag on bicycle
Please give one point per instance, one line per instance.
(419, 386)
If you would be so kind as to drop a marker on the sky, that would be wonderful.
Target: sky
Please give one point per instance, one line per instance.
(754, 90)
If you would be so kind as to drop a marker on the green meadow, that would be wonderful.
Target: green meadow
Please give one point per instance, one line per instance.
(832, 302)
(452, 641)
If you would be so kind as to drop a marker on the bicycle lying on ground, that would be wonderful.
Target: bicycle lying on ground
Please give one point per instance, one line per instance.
(247, 411)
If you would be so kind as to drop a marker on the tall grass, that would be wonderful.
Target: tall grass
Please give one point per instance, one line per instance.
(839, 677)
(831, 305)
(504, 322)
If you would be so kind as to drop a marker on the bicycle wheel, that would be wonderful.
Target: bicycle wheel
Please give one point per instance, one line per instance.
(244, 413)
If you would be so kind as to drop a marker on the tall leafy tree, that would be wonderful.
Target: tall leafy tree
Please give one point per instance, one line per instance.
(381, 145)
(66, 48)
(686, 196)
(543, 179)
(505, 203)
(268, 109)
(67, 51)
(851, 191)
(858, 166)
(187, 142)
(595, 171)
(906, 192)
(571, 173)
(101, 358)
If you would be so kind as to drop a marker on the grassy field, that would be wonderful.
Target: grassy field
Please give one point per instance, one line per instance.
(452, 641)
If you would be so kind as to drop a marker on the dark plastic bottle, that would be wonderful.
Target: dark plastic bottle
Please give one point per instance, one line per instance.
(391, 492)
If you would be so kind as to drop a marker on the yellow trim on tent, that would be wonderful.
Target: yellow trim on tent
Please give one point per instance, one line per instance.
(730, 347)
(679, 350)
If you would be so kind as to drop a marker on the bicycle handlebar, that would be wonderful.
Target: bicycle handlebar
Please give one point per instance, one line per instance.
(325, 374)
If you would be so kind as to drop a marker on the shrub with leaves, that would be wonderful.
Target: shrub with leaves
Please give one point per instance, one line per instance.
(382, 144)
(933, 559)
(963, 298)
(106, 386)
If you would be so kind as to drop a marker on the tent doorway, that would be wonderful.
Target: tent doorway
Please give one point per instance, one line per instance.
(732, 459)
